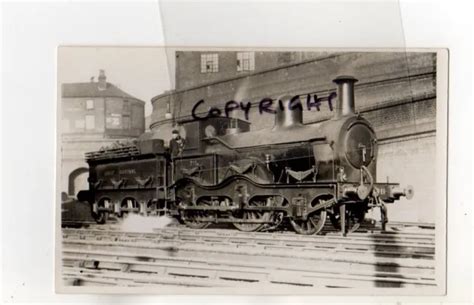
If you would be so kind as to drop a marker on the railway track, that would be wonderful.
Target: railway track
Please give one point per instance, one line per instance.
(177, 256)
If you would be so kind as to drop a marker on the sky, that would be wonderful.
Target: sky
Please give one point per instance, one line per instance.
(142, 72)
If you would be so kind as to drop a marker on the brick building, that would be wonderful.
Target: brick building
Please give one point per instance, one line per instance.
(396, 92)
(94, 114)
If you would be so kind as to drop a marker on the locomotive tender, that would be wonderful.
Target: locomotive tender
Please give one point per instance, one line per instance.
(302, 173)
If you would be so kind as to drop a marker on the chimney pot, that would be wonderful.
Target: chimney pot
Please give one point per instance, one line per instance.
(345, 95)
(102, 80)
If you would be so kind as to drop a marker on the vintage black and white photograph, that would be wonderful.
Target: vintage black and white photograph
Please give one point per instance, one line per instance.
(263, 171)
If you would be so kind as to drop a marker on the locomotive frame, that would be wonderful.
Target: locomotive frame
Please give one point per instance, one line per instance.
(252, 179)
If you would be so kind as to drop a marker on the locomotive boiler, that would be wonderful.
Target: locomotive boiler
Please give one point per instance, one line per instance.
(256, 180)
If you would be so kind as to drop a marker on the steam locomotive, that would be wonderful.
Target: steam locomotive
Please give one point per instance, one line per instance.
(294, 172)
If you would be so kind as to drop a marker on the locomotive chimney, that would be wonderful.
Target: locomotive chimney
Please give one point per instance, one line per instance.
(102, 80)
(289, 112)
(345, 95)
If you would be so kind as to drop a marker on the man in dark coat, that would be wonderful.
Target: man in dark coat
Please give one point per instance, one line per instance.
(176, 144)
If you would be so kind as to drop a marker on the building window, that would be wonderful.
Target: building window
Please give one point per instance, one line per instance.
(126, 105)
(126, 122)
(245, 61)
(89, 104)
(113, 121)
(209, 63)
(90, 122)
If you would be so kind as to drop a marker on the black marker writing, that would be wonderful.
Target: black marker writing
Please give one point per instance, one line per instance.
(193, 112)
(332, 96)
(246, 109)
(230, 106)
(295, 103)
(265, 105)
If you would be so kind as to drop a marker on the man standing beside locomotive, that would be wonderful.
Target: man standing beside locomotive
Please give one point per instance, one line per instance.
(176, 144)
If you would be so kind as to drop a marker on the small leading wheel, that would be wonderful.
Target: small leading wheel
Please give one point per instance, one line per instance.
(252, 216)
(312, 225)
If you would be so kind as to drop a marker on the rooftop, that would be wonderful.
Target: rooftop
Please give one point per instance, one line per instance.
(91, 89)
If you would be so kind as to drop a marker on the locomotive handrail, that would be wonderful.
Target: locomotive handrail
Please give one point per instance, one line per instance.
(242, 177)
(371, 179)
(243, 147)
(219, 140)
